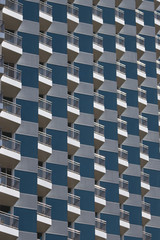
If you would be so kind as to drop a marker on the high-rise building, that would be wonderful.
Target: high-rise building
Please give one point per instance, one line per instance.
(79, 120)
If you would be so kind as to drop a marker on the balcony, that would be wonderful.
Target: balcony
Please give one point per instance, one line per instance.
(73, 234)
(72, 17)
(99, 138)
(9, 225)
(158, 95)
(138, 3)
(72, 47)
(72, 77)
(11, 81)
(73, 207)
(157, 21)
(97, 18)
(157, 39)
(139, 20)
(1, 66)
(44, 146)
(122, 131)
(98, 77)
(144, 156)
(119, 19)
(122, 160)
(99, 198)
(120, 46)
(145, 186)
(123, 190)
(44, 220)
(73, 140)
(147, 236)
(10, 116)
(143, 126)
(45, 16)
(44, 112)
(117, 2)
(73, 173)
(120, 74)
(159, 120)
(146, 215)
(124, 222)
(142, 99)
(45, 47)
(9, 189)
(100, 229)
(97, 47)
(12, 47)
(158, 70)
(141, 72)
(44, 181)
(45, 79)
(9, 152)
(73, 111)
(12, 14)
(70, 1)
(98, 105)
(157, 3)
(140, 44)
(121, 102)
(99, 166)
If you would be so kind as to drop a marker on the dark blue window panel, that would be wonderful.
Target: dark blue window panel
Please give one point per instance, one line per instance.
(29, 76)
(29, 110)
(109, 15)
(154, 177)
(131, 238)
(110, 130)
(131, 70)
(86, 166)
(59, 106)
(86, 231)
(28, 145)
(149, 43)
(59, 43)
(31, 11)
(151, 69)
(132, 97)
(112, 223)
(85, 43)
(129, 17)
(59, 209)
(30, 38)
(130, 43)
(154, 231)
(55, 237)
(59, 12)
(111, 160)
(109, 43)
(59, 140)
(110, 100)
(132, 125)
(153, 149)
(87, 199)
(86, 134)
(59, 74)
(135, 214)
(28, 182)
(151, 95)
(133, 154)
(109, 71)
(59, 174)
(85, 14)
(112, 191)
(152, 122)
(27, 219)
(83, 99)
(149, 18)
(134, 184)
(155, 206)
(85, 73)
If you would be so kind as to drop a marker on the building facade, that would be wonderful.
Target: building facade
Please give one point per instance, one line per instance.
(80, 120)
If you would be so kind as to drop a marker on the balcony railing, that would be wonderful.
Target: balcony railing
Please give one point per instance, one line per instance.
(124, 215)
(99, 128)
(73, 40)
(119, 13)
(73, 70)
(121, 67)
(13, 38)
(9, 220)
(120, 40)
(142, 93)
(73, 200)
(98, 40)
(100, 224)
(45, 71)
(44, 209)
(73, 166)
(122, 124)
(98, 69)
(73, 10)
(143, 148)
(44, 173)
(123, 154)
(9, 181)
(45, 8)
(140, 40)
(143, 121)
(12, 108)
(45, 39)
(147, 236)
(99, 159)
(100, 191)
(158, 64)
(141, 66)
(123, 184)
(73, 101)
(145, 177)
(157, 15)
(157, 40)
(121, 95)
(45, 138)
(73, 234)
(146, 207)
(98, 98)
(11, 144)
(14, 6)
(139, 14)
(97, 11)
(45, 104)
(12, 73)
(73, 133)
